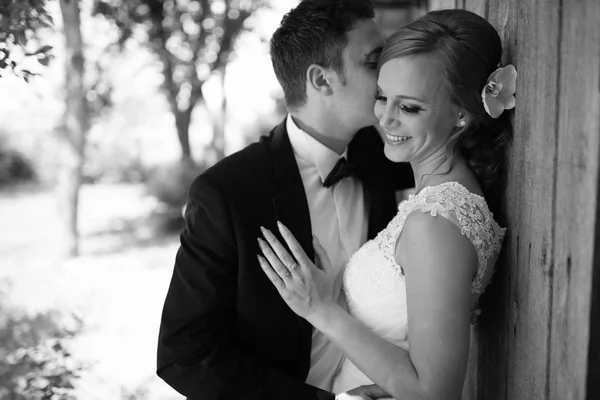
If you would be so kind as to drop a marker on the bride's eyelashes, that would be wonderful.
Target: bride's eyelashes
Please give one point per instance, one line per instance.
(381, 99)
(411, 110)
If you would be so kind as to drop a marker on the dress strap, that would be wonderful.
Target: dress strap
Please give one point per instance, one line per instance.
(468, 211)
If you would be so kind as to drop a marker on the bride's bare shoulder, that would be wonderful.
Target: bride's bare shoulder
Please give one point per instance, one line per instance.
(431, 242)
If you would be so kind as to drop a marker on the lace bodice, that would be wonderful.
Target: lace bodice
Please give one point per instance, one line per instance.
(374, 282)
(467, 210)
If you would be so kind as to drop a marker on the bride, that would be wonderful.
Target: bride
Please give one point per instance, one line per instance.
(413, 290)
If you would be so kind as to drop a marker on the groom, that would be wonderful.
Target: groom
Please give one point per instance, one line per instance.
(226, 334)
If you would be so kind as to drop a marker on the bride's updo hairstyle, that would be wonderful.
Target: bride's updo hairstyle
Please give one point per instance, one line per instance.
(467, 49)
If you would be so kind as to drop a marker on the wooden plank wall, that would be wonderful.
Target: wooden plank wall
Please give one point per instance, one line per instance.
(521, 339)
(538, 336)
(578, 141)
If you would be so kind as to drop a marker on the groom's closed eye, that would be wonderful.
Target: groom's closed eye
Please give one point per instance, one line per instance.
(372, 58)
(372, 64)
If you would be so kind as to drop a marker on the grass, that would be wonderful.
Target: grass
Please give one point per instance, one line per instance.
(116, 288)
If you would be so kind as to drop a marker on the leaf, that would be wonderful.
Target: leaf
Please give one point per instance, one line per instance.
(44, 61)
(27, 74)
(42, 49)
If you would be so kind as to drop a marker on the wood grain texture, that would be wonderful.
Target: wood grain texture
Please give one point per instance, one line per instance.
(578, 153)
(476, 6)
(442, 4)
(593, 377)
(537, 346)
(531, 188)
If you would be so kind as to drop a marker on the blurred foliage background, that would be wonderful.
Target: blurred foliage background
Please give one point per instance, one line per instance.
(109, 109)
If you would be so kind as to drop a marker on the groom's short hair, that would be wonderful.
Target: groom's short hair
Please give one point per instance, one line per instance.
(313, 33)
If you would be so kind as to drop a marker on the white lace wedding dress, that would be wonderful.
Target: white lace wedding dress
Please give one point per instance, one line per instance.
(374, 283)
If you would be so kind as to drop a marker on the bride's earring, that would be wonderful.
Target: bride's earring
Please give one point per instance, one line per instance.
(462, 123)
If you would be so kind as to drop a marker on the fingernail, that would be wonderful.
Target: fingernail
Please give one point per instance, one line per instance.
(267, 234)
(260, 243)
(263, 230)
(280, 226)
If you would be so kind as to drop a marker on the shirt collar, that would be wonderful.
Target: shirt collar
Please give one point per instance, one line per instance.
(311, 150)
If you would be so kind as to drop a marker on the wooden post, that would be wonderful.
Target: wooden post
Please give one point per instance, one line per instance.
(593, 378)
(442, 4)
(535, 343)
(539, 336)
(520, 338)
(476, 6)
(575, 217)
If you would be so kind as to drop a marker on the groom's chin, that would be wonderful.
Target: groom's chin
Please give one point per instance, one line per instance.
(379, 130)
(370, 116)
(367, 122)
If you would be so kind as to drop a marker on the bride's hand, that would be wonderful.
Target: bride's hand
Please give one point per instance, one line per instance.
(306, 288)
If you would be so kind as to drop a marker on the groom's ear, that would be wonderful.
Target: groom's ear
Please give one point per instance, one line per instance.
(319, 79)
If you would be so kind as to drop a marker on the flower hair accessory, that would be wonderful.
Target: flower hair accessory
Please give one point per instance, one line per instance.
(498, 94)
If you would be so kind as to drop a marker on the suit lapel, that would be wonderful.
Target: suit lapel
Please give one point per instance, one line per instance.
(366, 151)
(290, 204)
(289, 200)
(378, 215)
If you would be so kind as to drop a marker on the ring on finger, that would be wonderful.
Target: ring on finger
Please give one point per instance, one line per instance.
(292, 267)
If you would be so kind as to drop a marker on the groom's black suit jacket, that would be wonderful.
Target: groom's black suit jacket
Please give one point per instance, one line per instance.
(225, 333)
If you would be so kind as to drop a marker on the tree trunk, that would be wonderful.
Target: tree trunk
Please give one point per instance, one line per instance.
(182, 122)
(181, 113)
(74, 127)
(219, 118)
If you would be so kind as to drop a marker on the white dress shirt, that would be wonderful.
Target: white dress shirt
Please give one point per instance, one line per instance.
(338, 217)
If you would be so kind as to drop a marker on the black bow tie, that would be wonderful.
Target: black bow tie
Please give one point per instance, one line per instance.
(341, 170)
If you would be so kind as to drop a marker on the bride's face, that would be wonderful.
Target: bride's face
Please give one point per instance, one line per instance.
(414, 109)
